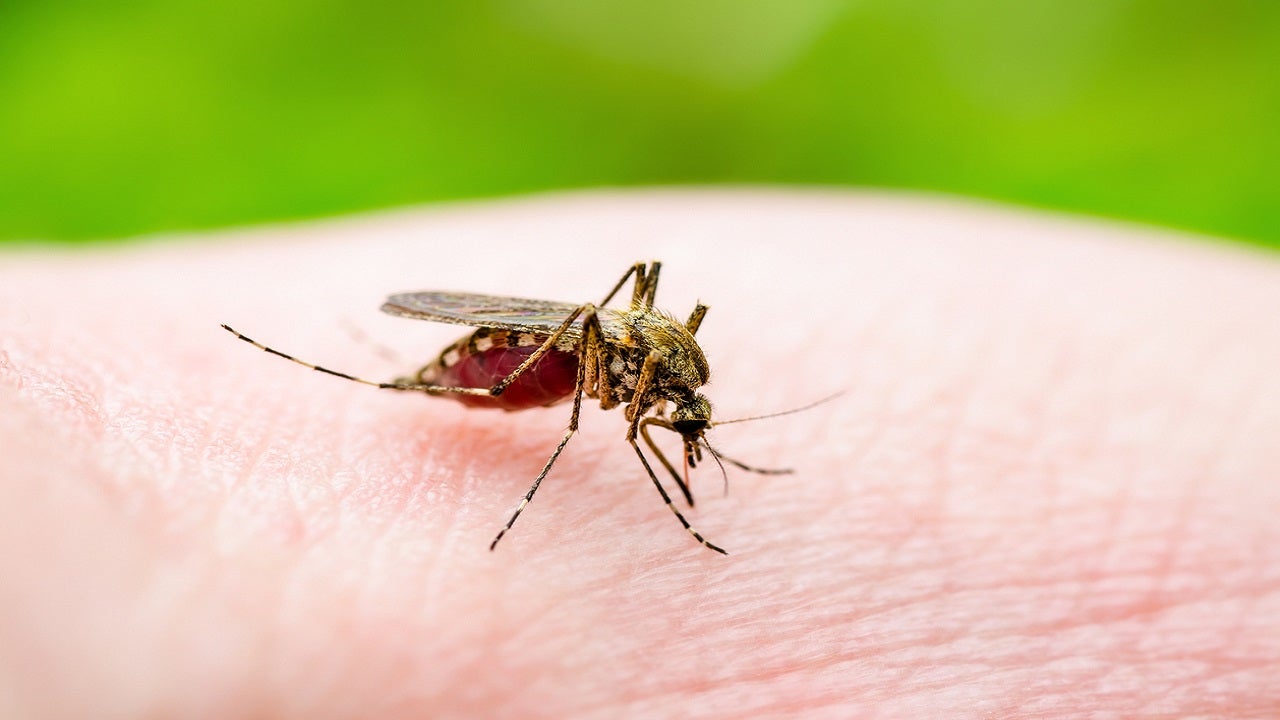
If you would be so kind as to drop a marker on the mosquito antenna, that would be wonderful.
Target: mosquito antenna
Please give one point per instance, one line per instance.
(723, 473)
(743, 466)
(802, 408)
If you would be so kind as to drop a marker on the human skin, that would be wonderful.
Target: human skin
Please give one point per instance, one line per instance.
(1051, 488)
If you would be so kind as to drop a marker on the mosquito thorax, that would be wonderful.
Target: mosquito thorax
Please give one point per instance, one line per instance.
(683, 364)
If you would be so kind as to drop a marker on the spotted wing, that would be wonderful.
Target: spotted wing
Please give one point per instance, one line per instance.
(491, 311)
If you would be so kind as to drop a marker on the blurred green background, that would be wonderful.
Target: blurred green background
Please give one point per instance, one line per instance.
(124, 118)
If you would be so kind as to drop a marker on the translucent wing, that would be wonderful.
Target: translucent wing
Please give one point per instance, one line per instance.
(491, 311)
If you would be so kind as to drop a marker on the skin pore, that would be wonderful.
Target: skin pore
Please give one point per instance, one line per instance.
(1050, 490)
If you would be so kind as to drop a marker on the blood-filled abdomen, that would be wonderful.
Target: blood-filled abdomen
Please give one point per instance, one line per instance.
(549, 381)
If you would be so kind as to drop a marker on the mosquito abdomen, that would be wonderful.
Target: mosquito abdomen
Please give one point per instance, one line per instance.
(484, 358)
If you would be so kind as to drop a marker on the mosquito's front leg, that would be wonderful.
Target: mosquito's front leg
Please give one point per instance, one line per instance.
(662, 458)
(670, 505)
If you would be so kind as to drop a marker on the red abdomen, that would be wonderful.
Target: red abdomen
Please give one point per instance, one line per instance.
(552, 379)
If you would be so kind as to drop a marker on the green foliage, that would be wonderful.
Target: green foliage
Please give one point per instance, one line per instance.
(125, 118)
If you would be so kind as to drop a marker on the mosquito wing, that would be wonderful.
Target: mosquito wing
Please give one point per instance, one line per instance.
(491, 311)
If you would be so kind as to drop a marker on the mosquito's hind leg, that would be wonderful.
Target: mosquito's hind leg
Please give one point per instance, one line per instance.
(397, 385)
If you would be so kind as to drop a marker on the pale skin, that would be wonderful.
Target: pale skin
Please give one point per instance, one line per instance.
(1052, 488)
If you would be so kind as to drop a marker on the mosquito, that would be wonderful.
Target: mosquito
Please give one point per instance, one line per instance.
(535, 353)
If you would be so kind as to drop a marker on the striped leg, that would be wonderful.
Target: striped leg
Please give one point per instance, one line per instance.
(590, 349)
(670, 505)
(430, 389)
(653, 447)
(646, 285)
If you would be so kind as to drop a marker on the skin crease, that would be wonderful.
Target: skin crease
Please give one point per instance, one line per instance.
(1051, 489)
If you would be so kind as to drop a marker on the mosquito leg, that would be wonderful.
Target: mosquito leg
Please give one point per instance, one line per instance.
(670, 505)
(638, 271)
(646, 285)
(524, 502)
(429, 389)
(596, 380)
(584, 311)
(695, 318)
(306, 364)
(644, 433)
(640, 400)
(651, 283)
(637, 290)
(590, 344)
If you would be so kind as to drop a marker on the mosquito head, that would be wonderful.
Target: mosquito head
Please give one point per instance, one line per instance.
(691, 416)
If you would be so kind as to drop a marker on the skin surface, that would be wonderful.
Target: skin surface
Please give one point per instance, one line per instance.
(1052, 488)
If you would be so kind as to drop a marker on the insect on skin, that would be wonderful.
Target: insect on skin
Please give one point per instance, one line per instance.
(533, 353)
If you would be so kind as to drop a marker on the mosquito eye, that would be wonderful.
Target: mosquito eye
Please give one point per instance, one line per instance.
(689, 427)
